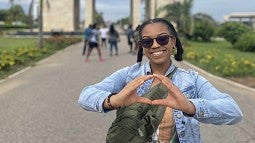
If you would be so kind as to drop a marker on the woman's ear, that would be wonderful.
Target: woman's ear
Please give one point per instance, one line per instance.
(173, 41)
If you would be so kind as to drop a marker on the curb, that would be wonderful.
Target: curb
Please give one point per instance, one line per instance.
(38, 62)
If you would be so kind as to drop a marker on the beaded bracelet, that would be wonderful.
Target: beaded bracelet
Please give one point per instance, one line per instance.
(109, 102)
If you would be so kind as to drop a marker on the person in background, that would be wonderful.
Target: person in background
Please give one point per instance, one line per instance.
(191, 99)
(94, 43)
(136, 40)
(113, 39)
(87, 33)
(130, 37)
(103, 34)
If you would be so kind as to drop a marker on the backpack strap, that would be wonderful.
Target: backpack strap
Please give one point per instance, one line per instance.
(158, 92)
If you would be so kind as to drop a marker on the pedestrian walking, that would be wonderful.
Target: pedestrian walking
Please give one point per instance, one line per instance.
(104, 34)
(130, 37)
(94, 43)
(136, 40)
(113, 40)
(87, 33)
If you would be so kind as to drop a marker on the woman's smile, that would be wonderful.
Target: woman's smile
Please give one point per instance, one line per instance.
(157, 53)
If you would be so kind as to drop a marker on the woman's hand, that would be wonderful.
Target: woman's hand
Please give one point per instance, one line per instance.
(128, 95)
(175, 99)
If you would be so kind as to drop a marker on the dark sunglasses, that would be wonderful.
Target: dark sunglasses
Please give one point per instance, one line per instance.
(161, 40)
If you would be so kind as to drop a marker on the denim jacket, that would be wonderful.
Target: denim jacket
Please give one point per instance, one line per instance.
(212, 106)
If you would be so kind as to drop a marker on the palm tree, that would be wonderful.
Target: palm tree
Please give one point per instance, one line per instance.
(40, 25)
(180, 14)
(30, 11)
(14, 12)
(40, 20)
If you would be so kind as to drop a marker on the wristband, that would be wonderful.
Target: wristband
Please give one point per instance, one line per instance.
(109, 101)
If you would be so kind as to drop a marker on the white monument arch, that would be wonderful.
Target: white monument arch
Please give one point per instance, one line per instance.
(64, 15)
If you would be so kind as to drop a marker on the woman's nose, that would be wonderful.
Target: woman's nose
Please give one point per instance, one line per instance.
(155, 44)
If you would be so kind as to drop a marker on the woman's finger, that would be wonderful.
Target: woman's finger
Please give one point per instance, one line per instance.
(143, 100)
(165, 80)
(161, 102)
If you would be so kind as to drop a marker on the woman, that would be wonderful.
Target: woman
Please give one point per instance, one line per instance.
(94, 43)
(130, 37)
(113, 39)
(191, 99)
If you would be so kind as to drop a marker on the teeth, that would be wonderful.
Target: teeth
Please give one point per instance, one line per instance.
(157, 53)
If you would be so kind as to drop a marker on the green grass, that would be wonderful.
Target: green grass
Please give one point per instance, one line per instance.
(18, 53)
(14, 43)
(224, 46)
(220, 58)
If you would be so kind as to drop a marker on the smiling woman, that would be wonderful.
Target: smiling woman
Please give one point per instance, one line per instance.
(187, 98)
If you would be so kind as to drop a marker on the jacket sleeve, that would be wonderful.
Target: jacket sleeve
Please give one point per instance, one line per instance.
(213, 106)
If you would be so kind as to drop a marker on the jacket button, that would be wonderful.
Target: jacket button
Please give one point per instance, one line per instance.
(179, 115)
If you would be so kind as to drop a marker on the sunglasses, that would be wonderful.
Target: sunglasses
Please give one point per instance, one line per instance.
(161, 40)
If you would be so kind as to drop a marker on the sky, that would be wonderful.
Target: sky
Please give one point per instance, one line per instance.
(116, 9)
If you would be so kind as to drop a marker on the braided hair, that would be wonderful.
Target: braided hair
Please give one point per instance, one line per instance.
(178, 45)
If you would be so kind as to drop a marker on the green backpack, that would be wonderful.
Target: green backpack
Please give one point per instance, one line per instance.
(136, 123)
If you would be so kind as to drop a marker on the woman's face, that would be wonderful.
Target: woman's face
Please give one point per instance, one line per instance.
(161, 49)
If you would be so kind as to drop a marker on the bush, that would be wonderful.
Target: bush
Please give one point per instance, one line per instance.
(246, 42)
(13, 60)
(219, 58)
(203, 30)
(6, 60)
(231, 31)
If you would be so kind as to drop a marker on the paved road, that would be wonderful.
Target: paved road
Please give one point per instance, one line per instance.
(39, 104)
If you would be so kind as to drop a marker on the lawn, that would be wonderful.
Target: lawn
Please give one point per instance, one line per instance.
(14, 43)
(218, 57)
(18, 53)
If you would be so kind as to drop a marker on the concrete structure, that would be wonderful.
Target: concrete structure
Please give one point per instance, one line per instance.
(245, 17)
(63, 15)
(135, 12)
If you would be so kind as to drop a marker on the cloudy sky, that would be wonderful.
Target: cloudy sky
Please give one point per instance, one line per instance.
(116, 9)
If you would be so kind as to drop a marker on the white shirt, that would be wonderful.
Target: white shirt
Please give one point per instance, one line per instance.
(103, 32)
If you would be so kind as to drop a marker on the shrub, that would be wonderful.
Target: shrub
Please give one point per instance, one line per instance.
(246, 42)
(203, 29)
(220, 62)
(6, 60)
(231, 31)
(13, 60)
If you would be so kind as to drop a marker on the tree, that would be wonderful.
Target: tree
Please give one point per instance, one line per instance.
(203, 30)
(3, 15)
(204, 27)
(205, 17)
(40, 19)
(231, 31)
(40, 25)
(30, 17)
(14, 14)
(99, 18)
(179, 13)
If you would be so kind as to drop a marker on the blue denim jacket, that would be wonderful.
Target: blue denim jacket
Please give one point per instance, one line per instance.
(212, 106)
